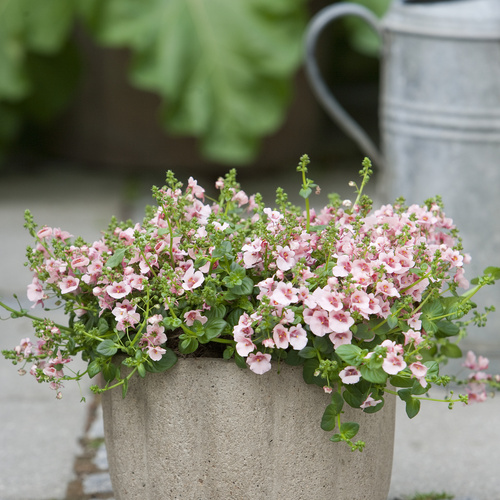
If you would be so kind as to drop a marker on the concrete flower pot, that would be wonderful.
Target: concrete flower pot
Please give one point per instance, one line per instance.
(208, 430)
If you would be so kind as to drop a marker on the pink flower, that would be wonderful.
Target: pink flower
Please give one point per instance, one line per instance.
(298, 337)
(338, 339)
(69, 284)
(476, 392)
(340, 321)
(393, 363)
(196, 190)
(369, 401)
(80, 261)
(413, 336)
(259, 363)
(269, 343)
(419, 371)
(192, 279)
(35, 291)
(387, 289)
(241, 198)
(244, 346)
(281, 336)
(45, 232)
(475, 364)
(350, 375)
(343, 267)
(318, 322)
(155, 352)
(285, 260)
(328, 300)
(284, 294)
(195, 315)
(118, 290)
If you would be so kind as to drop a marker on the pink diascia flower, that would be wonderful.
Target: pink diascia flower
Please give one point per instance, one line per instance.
(35, 291)
(472, 363)
(281, 336)
(155, 352)
(350, 375)
(259, 363)
(195, 315)
(369, 401)
(298, 337)
(419, 371)
(118, 290)
(192, 279)
(393, 363)
(69, 284)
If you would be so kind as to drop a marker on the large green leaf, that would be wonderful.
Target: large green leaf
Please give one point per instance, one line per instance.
(223, 67)
(37, 66)
(29, 26)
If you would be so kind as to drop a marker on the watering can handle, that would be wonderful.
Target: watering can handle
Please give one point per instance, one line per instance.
(331, 105)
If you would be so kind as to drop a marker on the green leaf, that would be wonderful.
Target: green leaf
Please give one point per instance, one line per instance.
(110, 372)
(337, 402)
(308, 352)
(102, 326)
(353, 396)
(432, 368)
(451, 350)
(392, 321)
(116, 258)
(240, 362)
(124, 388)
(412, 404)
(141, 370)
(246, 287)
(217, 311)
(447, 328)
(228, 352)
(214, 327)
(363, 331)
(188, 345)
(401, 381)
(323, 345)
(336, 438)
(305, 192)
(107, 348)
(293, 358)
(329, 419)
(493, 271)
(94, 368)
(349, 429)
(165, 363)
(350, 353)
(222, 250)
(374, 375)
(223, 68)
(310, 367)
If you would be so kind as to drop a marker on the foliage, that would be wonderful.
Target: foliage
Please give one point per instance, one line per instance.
(367, 302)
(223, 69)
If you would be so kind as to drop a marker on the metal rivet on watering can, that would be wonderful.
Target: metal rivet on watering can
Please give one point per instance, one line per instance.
(439, 114)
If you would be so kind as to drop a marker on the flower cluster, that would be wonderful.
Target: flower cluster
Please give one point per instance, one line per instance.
(366, 301)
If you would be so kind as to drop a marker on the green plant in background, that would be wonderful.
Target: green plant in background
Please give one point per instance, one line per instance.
(223, 69)
(431, 496)
(38, 63)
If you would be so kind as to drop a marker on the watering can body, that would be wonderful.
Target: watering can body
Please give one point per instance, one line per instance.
(439, 111)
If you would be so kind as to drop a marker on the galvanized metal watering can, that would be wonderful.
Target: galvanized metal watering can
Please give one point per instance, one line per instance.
(440, 77)
(439, 109)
